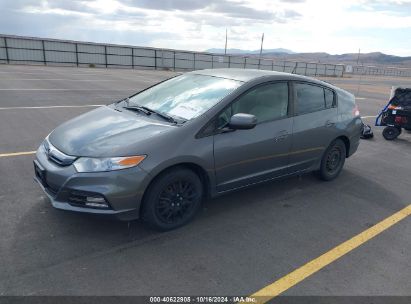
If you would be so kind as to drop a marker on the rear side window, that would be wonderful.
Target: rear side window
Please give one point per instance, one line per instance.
(312, 98)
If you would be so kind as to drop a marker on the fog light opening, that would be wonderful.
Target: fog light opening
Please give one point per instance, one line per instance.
(98, 202)
(91, 200)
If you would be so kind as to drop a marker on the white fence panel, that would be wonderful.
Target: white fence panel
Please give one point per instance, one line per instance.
(144, 52)
(289, 66)
(119, 60)
(119, 51)
(184, 56)
(90, 48)
(144, 61)
(25, 55)
(60, 57)
(203, 57)
(59, 46)
(3, 54)
(24, 43)
(183, 64)
(237, 60)
(321, 69)
(91, 58)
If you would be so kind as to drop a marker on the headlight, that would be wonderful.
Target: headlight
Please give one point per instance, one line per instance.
(87, 164)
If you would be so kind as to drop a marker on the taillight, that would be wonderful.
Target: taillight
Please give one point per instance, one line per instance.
(356, 111)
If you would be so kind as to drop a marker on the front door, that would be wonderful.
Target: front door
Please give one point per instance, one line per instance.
(244, 157)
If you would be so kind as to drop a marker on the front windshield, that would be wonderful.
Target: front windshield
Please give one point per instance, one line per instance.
(186, 96)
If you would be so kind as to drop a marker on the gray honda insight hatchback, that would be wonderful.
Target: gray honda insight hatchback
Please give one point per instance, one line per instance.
(157, 154)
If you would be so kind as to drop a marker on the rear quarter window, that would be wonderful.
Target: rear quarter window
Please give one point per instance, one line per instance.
(329, 98)
(310, 98)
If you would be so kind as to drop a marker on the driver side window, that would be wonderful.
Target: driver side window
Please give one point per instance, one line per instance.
(266, 102)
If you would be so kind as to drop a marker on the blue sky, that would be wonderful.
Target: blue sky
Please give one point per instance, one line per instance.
(333, 26)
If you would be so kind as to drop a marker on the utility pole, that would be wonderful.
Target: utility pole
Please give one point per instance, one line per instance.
(358, 58)
(261, 51)
(261, 48)
(225, 49)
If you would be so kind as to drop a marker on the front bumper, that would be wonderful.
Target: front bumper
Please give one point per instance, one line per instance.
(122, 189)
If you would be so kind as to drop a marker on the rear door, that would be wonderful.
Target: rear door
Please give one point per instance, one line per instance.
(314, 125)
(245, 157)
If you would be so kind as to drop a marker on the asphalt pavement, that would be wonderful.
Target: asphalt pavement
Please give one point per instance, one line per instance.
(238, 243)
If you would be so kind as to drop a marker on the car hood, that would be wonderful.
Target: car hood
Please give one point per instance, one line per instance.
(106, 132)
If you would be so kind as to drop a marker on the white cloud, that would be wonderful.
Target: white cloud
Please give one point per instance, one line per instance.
(336, 26)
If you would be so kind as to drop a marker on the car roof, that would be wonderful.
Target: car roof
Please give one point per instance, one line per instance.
(246, 75)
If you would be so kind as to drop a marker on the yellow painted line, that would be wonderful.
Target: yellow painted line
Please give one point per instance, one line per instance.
(17, 153)
(271, 291)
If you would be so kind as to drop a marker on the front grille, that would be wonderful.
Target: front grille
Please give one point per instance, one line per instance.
(57, 160)
(56, 156)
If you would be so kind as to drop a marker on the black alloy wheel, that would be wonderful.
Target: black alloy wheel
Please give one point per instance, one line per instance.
(172, 199)
(176, 201)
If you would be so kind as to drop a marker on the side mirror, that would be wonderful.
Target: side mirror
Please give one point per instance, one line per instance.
(242, 121)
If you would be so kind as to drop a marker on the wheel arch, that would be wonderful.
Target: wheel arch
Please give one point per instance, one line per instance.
(196, 168)
(347, 144)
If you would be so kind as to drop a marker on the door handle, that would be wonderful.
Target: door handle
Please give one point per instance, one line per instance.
(329, 123)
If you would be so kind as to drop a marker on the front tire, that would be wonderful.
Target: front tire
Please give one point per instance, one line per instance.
(172, 200)
(332, 161)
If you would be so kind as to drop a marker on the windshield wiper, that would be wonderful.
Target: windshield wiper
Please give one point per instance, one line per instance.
(163, 115)
(148, 111)
(138, 108)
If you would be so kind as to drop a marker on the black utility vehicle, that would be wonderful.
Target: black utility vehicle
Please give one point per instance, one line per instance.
(396, 115)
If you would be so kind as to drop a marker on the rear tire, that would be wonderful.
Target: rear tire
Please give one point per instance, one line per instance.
(333, 161)
(172, 200)
(391, 133)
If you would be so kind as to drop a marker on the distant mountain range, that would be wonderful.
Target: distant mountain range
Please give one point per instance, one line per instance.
(375, 58)
(247, 52)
